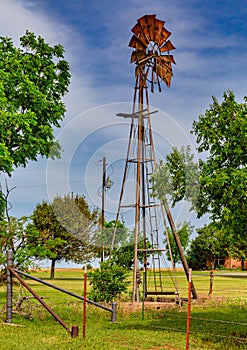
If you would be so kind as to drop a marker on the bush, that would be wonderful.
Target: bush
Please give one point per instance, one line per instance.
(108, 282)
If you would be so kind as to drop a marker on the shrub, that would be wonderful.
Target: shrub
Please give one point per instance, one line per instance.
(108, 282)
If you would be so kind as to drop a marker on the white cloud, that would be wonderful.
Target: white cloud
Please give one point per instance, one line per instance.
(102, 74)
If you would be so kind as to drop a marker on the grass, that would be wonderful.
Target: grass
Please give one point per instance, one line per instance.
(217, 323)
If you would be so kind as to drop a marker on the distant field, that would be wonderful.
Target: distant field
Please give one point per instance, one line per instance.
(216, 323)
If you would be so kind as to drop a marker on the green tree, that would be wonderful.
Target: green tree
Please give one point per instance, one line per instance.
(67, 229)
(222, 133)
(124, 255)
(14, 235)
(238, 248)
(184, 233)
(33, 79)
(177, 178)
(211, 244)
(105, 237)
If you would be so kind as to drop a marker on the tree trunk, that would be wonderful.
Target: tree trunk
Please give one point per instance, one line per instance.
(213, 264)
(52, 272)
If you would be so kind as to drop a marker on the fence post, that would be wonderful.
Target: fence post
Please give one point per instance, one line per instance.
(9, 287)
(211, 284)
(114, 312)
(188, 312)
(84, 303)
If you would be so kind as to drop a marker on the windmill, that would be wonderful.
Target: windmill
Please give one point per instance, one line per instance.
(153, 61)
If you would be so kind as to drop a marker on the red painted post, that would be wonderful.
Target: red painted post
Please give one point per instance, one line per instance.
(84, 303)
(188, 310)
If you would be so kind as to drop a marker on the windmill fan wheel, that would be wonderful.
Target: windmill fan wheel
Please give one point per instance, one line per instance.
(152, 50)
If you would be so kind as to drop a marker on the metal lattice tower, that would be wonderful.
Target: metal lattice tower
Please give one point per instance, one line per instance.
(153, 65)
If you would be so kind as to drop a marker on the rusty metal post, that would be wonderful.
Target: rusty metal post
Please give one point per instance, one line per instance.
(211, 278)
(9, 287)
(84, 303)
(74, 331)
(188, 309)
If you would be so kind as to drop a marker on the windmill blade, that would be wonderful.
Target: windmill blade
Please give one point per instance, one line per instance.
(137, 30)
(158, 29)
(167, 58)
(138, 57)
(150, 19)
(161, 60)
(150, 45)
(147, 24)
(136, 43)
(165, 74)
(167, 47)
(164, 35)
(133, 57)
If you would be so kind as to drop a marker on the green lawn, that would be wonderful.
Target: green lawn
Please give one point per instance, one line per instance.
(217, 323)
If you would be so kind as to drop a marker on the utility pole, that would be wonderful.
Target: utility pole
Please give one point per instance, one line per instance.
(106, 185)
(103, 204)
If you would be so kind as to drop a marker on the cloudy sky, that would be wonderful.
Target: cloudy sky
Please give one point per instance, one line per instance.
(211, 56)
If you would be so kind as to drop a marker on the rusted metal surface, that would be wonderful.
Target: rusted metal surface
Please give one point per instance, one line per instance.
(74, 331)
(63, 290)
(47, 307)
(154, 63)
(152, 49)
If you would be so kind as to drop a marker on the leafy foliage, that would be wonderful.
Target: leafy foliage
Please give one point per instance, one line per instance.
(14, 236)
(14, 233)
(105, 236)
(211, 243)
(108, 282)
(67, 229)
(124, 255)
(177, 178)
(184, 233)
(222, 132)
(33, 79)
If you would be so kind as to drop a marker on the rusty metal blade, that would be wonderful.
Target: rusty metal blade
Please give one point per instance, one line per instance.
(166, 66)
(158, 29)
(140, 55)
(145, 25)
(164, 35)
(167, 58)
(164, 73)
(150, 19)
(167, 47)
(137, 30)
(136, 43)
(133, 57)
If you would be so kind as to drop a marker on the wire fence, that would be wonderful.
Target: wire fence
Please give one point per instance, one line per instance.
(218, 318)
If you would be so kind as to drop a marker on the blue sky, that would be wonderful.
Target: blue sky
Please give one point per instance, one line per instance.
(211, 56)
